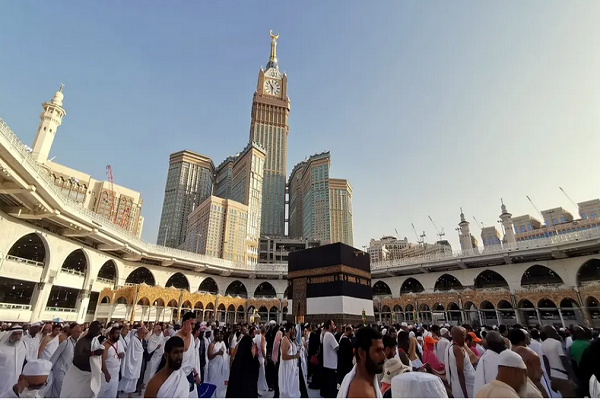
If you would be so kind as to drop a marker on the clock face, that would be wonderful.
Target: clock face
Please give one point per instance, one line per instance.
(272, 87)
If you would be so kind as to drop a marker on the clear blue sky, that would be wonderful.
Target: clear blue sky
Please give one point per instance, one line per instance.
(425, 107)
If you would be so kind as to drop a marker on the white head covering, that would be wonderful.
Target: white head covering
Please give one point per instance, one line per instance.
(37, 368)
(443, 331)
(509, 358)
(39, 323)
(404, 324)
(272, 323)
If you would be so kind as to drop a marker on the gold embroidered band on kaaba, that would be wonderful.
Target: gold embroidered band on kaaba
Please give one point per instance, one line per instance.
(330, 270)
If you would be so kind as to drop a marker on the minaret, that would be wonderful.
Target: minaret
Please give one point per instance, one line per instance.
(465, 233)
(507, 224)
(50, 120)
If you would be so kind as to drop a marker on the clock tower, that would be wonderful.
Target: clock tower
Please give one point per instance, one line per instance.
(269, 128)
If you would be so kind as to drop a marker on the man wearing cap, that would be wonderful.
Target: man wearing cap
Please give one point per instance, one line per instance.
(13, 354)
(429, 357)
(391, 368)
(511, 381)
(442, 344)
(33, 379)
(32, 339)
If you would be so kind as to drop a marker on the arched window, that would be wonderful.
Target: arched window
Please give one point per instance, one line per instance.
(209, 285)
(179, 281)
(236, 288)
(141, 275)
(490, 279)
(447, 282)
(411, 285)
(540, 275)
(381, 288)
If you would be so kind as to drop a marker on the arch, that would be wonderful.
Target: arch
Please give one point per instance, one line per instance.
(274, 309)
(210, 306)
(240, 309)
(546, 303)
(411, 285)
(221, 307)
(108, 271)
(141, 275)
(287, 292)
(490, 279)
(447, 282)
(453, 307)
(265, 289)
(237, 288)
(589, 272)
(409, 308)
(504, 305)
(144, 301)
(231, 308)
(424, 307)
(179, 281)
(470, 306)
(121, 300)
(540, 275)
(187, 305)
(524, 303)
(105, 300)
(262, 309)
(568, 303)
(159, 303)
(172, 303)
(380, 288)
(486, 305)
(31, 247)
(198, 306)
(209, 285)
(76, 263)
(386, 309)
(438, 307)
(397, 308)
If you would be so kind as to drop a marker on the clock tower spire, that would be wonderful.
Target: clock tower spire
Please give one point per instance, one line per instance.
(273, 57)
(269, 128)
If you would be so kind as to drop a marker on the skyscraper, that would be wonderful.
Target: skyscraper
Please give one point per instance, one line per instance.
(340, 209)
(189, 182)
(309, 199)
(269, 128)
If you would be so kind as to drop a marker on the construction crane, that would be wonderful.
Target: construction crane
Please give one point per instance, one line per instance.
(397, 235)
(480, 225)
(441, 233)
(536, 209)
(565, 193)
(419, 241)
(109, 175)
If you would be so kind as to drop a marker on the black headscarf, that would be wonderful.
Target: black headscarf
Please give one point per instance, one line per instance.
(244, 371)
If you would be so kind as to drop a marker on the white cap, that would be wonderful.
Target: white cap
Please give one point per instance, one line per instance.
(39, 323)
(37, 368)
(384, 331)
(272, 322)
(404, 324)
(561, 329)
(443, 331)
(509, 358)
(411, 334)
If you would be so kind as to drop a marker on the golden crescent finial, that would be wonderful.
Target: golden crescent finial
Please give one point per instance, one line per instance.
(274, 37)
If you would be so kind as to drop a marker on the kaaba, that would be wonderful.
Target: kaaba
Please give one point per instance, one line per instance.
(331, 282)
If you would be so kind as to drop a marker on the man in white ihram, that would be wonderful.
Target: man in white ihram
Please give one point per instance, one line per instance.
(33, 379)
(62, 359)
(83, 378)
(132, 363)
(13, 354)
(32, 339)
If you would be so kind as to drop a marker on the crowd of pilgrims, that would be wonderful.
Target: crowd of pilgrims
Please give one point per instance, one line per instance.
(194, 360)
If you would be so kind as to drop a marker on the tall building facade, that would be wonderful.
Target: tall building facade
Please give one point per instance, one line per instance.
(217, 228)
(189, 183)
(340, 209)
(269, 128)
(309, 198)
(246, 188)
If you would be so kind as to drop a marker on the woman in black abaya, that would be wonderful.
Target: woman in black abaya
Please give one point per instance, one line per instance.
(243, 375)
